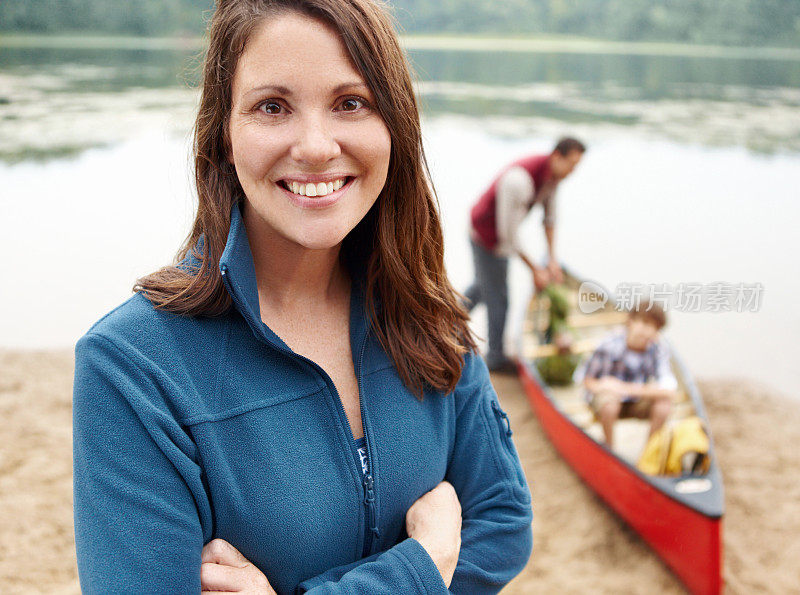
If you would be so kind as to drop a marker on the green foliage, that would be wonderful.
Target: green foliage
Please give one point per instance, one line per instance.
(132, 17)
(557, 370)
(737, 22)
(559, 303)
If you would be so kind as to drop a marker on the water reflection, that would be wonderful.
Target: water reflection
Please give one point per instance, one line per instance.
(107, 69)
(60, 101)
(653, 76)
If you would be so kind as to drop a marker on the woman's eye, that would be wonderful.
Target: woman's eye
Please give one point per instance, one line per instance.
(351, 104)
(270, 107)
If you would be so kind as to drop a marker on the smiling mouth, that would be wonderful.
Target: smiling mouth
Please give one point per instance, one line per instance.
(313, 189)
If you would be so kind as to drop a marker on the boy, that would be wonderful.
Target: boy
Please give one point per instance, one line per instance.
(629, 373)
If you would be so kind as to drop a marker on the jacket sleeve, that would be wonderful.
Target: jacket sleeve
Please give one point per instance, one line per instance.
(404, 568)
(137, 527)
(496, 538)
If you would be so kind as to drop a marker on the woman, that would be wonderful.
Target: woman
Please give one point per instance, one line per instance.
(301, 392)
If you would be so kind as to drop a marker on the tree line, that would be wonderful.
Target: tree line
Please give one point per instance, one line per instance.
(733, 22)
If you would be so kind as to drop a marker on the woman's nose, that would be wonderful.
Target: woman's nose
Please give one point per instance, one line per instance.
(315, 141)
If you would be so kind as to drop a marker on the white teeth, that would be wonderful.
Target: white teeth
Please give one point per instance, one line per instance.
(312, 189)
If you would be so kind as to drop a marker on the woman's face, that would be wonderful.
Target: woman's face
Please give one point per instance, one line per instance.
(310, 150)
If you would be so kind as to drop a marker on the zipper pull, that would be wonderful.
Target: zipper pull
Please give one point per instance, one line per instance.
(369, 500)
(501, 413)
(369, 495)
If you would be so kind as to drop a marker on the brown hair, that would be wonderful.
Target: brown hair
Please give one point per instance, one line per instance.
(568, 144)
(649, 312)
(414, 310)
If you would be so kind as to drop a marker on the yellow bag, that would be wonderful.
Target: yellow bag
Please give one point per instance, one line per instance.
(680, 448)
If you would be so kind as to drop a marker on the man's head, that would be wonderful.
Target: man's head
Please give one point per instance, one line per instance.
(565, 157)
(645, 320)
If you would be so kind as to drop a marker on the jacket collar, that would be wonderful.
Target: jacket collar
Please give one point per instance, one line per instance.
(238, 273)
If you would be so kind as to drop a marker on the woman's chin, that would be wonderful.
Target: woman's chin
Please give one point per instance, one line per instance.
(321, 240)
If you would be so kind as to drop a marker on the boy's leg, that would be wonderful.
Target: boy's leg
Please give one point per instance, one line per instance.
(660, 409)
(607, 407)
(656, 409)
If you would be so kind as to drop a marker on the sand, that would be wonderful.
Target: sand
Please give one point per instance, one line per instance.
(579, 546)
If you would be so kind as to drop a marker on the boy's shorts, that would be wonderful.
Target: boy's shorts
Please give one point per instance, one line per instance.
(638, 408)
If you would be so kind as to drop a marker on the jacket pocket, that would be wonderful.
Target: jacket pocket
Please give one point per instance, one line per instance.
(508, 452)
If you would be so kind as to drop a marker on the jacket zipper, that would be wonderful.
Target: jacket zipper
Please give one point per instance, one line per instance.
(371, 524)
(368, 481)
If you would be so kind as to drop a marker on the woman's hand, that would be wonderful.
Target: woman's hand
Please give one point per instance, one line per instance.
(435, 521)
(224, 568)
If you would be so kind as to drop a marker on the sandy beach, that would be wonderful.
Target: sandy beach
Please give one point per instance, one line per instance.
(579, 546)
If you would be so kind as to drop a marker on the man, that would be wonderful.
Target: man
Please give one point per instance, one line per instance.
(495, 219)
(629, 373)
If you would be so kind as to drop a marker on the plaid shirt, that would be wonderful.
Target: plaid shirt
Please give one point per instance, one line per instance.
(613, 358)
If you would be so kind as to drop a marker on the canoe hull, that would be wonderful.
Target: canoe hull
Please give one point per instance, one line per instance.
(689, 541)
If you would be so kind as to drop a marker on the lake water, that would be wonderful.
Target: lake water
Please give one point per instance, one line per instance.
(693, 176)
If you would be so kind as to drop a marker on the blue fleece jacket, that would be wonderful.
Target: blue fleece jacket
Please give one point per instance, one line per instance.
(192, 428)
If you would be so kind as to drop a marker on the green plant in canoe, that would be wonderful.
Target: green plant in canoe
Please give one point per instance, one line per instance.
(558, 369)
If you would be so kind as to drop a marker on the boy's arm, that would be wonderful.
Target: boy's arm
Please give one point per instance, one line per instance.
(664, 383)
(607, 384)
(595, 373)
(593, 385)
(646, 390)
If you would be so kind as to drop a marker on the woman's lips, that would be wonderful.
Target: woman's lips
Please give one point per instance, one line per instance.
(316, 194)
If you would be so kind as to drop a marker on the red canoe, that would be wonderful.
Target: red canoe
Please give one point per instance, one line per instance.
(680, 517)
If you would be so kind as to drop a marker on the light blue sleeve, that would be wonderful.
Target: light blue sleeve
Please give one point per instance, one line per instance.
(496, 537)
(137, 523)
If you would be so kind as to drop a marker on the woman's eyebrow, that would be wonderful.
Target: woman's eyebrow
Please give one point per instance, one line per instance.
(281, 90)
(277, 89)
(352, 85)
